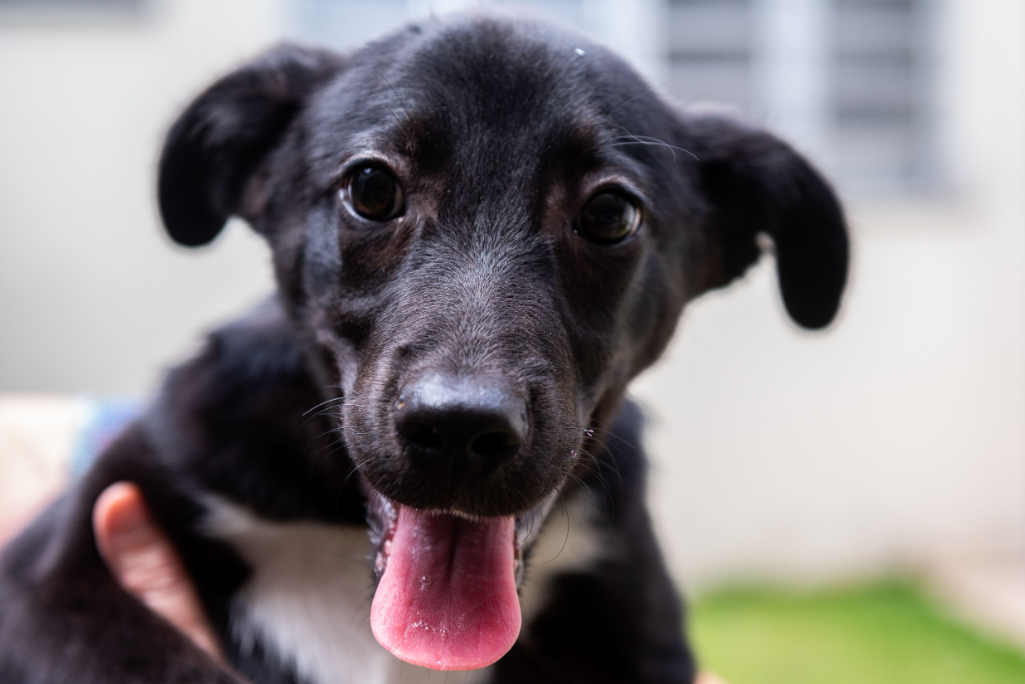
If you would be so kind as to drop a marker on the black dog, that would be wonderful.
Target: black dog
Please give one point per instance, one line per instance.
(481, 231)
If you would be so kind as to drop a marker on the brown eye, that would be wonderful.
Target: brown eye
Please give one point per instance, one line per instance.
(608, 218)
(374, 193)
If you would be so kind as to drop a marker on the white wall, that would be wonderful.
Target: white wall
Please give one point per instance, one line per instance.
(92, 296)
(897, 436)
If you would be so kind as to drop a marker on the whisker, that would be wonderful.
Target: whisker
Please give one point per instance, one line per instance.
(565, 541)
(626, 101)
(634, 139)
(596, 472)
(329, 401)
(400, 122)
(329, 409)
(604, 432)
(658, 143)
(341, 430)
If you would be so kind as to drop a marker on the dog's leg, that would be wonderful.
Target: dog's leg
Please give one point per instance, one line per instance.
(64, 618)
(610, 614)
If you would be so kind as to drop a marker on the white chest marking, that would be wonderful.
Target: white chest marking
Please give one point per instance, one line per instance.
(309, 598)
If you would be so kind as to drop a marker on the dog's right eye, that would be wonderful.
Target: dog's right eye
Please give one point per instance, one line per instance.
(607, 218)
(374, 193)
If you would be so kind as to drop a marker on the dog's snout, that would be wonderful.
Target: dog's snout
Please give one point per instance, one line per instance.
(467, 427)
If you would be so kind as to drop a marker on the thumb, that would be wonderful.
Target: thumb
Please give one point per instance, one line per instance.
(144, 562)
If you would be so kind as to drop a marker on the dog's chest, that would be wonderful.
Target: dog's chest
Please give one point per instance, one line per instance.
(308, 601)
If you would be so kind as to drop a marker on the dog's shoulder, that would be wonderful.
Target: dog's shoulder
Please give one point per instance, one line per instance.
(245, 420)
(254, 354)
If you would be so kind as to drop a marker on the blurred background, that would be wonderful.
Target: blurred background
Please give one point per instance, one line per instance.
(891, 445)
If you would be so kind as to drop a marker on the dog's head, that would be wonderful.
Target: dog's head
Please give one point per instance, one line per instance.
(483, 230)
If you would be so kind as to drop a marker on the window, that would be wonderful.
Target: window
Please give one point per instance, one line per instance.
(710, 47)
(878, 94)
(847, 80)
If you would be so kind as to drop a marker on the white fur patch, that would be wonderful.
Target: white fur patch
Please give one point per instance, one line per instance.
(309, 599)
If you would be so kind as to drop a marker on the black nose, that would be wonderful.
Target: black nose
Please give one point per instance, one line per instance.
(467, 426)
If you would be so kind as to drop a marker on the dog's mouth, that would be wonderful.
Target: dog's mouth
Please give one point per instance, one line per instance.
(446, 596)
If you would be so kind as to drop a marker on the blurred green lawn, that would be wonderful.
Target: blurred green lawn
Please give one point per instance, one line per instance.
(879, 634)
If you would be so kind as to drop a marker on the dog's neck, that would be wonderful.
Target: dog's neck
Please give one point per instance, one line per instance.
(307, 601)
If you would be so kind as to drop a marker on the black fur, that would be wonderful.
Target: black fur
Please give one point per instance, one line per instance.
(499, 132)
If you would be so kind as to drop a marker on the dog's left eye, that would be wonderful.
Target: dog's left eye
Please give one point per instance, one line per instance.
(374, 193)
(608, 218)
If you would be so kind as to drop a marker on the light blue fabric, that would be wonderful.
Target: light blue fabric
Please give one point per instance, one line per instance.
(105, 418)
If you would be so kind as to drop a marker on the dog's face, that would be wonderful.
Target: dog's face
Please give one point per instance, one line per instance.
(483, 231)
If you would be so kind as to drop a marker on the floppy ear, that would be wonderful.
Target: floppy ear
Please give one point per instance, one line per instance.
(221, 138)
(755, 184)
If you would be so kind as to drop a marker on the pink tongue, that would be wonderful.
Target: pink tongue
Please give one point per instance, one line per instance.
(447, 599)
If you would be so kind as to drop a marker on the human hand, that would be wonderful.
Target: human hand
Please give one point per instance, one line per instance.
(144, 562)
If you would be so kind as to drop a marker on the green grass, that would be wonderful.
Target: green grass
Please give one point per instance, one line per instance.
(880, 634)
